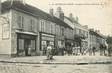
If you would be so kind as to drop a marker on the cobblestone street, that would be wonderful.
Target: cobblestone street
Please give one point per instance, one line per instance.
(46, 68)
(59, 59)
(60, 64)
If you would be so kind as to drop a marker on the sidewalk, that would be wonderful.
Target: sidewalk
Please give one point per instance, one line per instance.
(60, 60)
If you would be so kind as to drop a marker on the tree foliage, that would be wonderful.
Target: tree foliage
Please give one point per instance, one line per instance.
(109, 40)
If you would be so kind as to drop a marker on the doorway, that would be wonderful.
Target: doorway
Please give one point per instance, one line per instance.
(27, 47)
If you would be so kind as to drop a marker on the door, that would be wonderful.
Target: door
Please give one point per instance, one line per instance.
(27, 44)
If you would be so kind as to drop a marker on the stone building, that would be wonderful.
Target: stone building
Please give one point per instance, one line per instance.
(96, 39)
(80, 33)
(25, 30)
(69, 37)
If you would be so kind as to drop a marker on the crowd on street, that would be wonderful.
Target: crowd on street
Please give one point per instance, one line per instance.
(72, 50)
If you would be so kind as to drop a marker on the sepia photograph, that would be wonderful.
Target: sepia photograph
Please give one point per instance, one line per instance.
(55, 36)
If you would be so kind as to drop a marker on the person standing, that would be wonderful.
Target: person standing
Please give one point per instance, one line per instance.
(90, 50)
(109, 50)
(49, 52)
(94, 50)
(101, 49)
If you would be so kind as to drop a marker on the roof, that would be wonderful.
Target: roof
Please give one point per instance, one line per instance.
(31, 10)
(73, 21)
(92, 32)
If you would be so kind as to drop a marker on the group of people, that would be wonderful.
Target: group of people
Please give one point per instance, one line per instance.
(102, 49)
(71, 50)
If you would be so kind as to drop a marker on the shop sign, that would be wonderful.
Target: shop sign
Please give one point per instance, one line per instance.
(48, 38)
(23, 36)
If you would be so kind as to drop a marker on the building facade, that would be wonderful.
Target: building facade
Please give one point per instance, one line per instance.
(27, 30)
(80, 33)
(96, 39)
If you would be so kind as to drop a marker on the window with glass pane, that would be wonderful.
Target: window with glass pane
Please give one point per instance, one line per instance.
(57, 29)
(47, 28)
(50, 27)
(20, 21)
(33, 45)
(53, 28)
(62, 31)
(21, 44)
(32, 23)
(42, 25)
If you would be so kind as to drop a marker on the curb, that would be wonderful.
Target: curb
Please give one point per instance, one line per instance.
(58, 63)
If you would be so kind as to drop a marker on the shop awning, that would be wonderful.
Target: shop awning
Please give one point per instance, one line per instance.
(28, 33)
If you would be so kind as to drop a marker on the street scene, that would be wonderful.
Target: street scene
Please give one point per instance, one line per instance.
(66, 64)
(66, 39)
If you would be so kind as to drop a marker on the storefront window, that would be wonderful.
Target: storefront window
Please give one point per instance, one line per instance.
(43, 46)
(44, 39)
(26, 45)
(21, 45)
(33, 45)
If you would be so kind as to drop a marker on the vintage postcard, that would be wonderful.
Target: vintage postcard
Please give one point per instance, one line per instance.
(55, 36)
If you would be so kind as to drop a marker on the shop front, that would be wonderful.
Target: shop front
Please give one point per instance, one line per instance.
(26, 44)
(69, 42)
(69, 46)
(45, 39)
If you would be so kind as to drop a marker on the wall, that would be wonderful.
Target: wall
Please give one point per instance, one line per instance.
(5, 34)
(26, 28)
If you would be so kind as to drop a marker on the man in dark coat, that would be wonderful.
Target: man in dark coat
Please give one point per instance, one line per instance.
(93, 50)
(101, 49)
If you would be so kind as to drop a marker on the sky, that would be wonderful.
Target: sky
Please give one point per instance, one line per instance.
(96, 14)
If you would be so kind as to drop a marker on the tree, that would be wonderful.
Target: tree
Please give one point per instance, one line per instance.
(109, 40)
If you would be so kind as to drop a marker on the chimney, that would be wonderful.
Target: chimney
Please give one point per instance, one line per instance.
(59, 13)
(97, 31)
(77, 19)
(62, 16)
(92, 29)
(23, 1)
(59, 9)
(70, 15)
(51, 11)
(85, 26)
